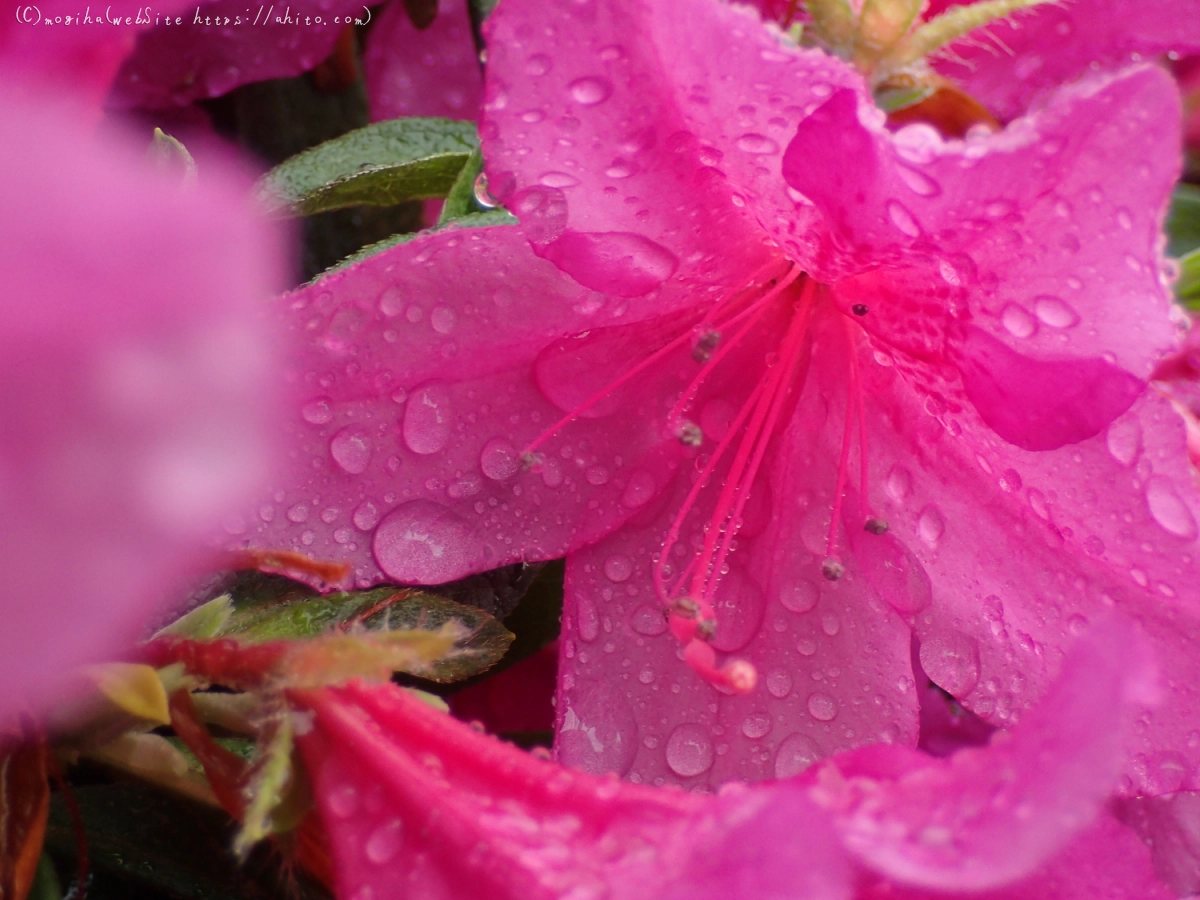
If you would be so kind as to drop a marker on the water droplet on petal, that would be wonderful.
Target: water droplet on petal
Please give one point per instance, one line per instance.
(739, 605)
(538, 64)
(499, 459)
(899, 483)
(365, 516)
(822, 707)
(618, 567)
(598, 733)
(427, 418)
(391, 302)
(384, 842)
(931, 525)
(640, 489)
(689, 751)
(422, 542)
(1124, 439)
(951, 659)
(442, 319)
(317, 412)
(1018, 321)
(351, 449)
(756, 725)
(799, 596)
(758, 144)
(903, 219)
(918, 182)
(795, 753)
(1055, 312)
(779, 684)
(614, 262)
(343, 801)
(1168, 509)
(590, 90)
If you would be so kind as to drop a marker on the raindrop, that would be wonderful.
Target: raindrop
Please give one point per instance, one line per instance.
(591, 90)
(366, 516)
(538, 64)
(931, 525)
(1168, 509)
(442, 319)
(758, 144)
(1018, 321)
(499, 459)
(391, 302)
(822, 707)
(903, 219)
(618, 567)
(427, 418)
(951, 660)
(318, 412)
(1124, 439)
(779, 684)
(800, 596)
(298, 513)
(1056, 313)
(648, 620)
(756, 725)
(384, 842)
(587, 618)
(422, 542)
(918, 182)
(482, 196)
(899, 483)
(689, 751)
(351, 449)
(343, 801)
(639, 490)
(796, 753)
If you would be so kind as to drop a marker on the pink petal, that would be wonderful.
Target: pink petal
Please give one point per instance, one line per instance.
(136, 384)
(1170, 826)
(433, 72)
(1016, 61)
(988, 816)
(416, 403)
(174, 65)
(586, 143)
(832, 658)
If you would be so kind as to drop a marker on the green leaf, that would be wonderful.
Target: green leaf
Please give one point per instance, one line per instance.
(46, 885)
(1183, 220)
(381, 165)
(461, 199)
(203, 622)
(474, 220)
(1187, 288)
(276, 796)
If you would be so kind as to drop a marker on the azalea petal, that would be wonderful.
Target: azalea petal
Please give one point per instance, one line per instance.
(990, 815)
(136, 382)
(1170, 826)
(1052, 226)
(832, 658)
(414, 801)
(1015, 61)
(427, 72)
(416, 403)
(174, 65)
(585, 142)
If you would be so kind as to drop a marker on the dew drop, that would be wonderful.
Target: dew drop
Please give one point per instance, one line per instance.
(903, 219)
(442, 319)
(1018, 321)
(351, 449)
(918, 182)
(756, 725)
(689, 751)
(391, 302)
(639, 490)
(899, 484)
(951, 659)
(779, 684)
(422, 542)
(757, 144)
(648, 620)
(499, 459)
(795, 753)
(365, 516)
(822, 707)
(739, 606)
(1055, 312)
(587, 618)
(538, 64)
(427, 418)
(384, 842)
(618, 567)
(591, 90)
(318, 412)
(931, 525)
(298, 513)
(799, 596)
(1168, 509)
(1124, 439)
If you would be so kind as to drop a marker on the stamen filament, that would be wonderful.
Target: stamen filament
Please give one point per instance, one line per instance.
(843, 462)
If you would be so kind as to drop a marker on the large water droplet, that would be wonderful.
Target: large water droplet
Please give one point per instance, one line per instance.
(648, 620)
(689, 750)
(318, 411)
(1124, 439)
(365, 516)
(931, 525)
(1018, 321)
(428, 418)
(758, 144)
(598, 732)
(756, 725)
(799, 596)
(1055, 312)
(779, 684)
(499, 459)
(903, 219)
(618, 567)
(351, 449)
(639, 490)
(891, 568)
(384, 842)
(614, 262)
(796, 753)
(391, 302)
(590, 90)
(899, 483)
(822, 707)
(422, 542)
(918, 182)
(1168, 509)
(587, 618)
(951, 659)
(739, 605)
(442, 319)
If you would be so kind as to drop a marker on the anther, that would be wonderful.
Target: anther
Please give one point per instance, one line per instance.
(706, 343)
(706, 629)
(832, 569)
(685, 607)
(859, 309)
(689, 434)
(531, 461)
(875, 525)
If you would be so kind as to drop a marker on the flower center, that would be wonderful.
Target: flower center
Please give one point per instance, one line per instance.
(738, 322)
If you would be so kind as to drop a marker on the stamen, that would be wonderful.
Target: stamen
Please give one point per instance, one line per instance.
(702, 350)
(832, 569)
(690, 434)
(875, 525)
(831, 563)
(737, 675)
(859, 309)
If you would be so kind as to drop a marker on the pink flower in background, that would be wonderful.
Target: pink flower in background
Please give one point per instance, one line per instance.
(414, 802)
(137, 388)
(740, 323)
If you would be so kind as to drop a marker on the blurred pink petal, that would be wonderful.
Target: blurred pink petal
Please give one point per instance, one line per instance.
(428, 72)
(136, 383)
(224, 44)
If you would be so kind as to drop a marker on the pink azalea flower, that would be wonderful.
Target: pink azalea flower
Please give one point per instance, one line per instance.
(740, 323)
(423, 72)
(416, 803)
(1016, 61)
(223, 44)
(136, 387)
